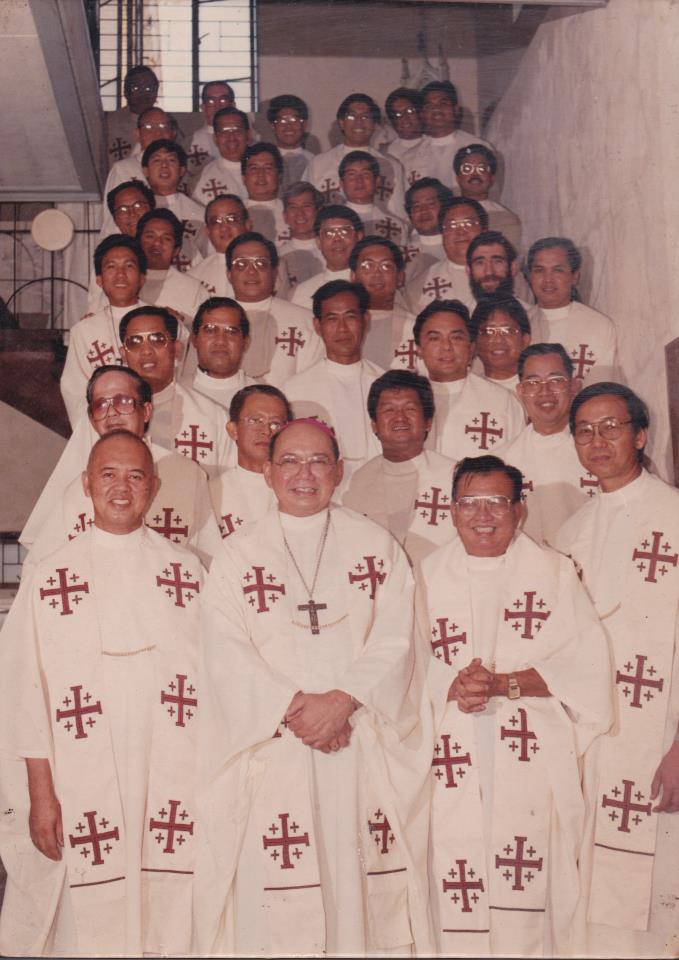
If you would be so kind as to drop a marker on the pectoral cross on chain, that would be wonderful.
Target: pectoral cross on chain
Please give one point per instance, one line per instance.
(311, 608)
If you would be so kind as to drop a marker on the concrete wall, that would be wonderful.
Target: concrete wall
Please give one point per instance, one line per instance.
(322, 52)
(589, 129)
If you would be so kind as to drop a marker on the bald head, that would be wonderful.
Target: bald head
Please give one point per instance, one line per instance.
(120, 481)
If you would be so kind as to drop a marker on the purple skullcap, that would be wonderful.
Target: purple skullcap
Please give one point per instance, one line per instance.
(309, 421)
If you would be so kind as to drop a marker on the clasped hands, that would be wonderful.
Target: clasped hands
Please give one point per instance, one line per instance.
(321, 720)
(472, 688)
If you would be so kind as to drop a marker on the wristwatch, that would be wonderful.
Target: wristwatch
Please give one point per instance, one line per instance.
(513, 688)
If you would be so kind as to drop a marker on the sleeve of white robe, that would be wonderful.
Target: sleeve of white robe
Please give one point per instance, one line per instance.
(73, 383)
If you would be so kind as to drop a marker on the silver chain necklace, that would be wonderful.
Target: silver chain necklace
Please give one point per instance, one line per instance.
(311, 607)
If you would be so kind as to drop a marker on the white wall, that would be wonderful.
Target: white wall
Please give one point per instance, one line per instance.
(322, 52)
(589, 128)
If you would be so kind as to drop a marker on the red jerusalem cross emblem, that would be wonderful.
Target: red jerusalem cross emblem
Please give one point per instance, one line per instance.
(81, 524)
(180, 698)
(626, 806)
(407, 354)
(74, 715)
(99, 354)
(635, 682)
(93, 838)
(67, 591)
(484, 430)
(519, 735)
(192, 444)
(381, 828)
(515, 864)
(163, 525)
(528, 615)
(448, 758)
(180, 589)
(437, 286)
(263, 589)
(589, 483)
(212, 188)
(283, 838)
(430, 506)
(228, 524)
(461, 882)
(445, 642)
(583, 359)
(372, 575)
(291, 342)
(167, 828)
(655, 556)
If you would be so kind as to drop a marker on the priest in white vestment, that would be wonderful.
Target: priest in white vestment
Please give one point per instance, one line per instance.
(502, 332)
(288, 116)
(140, 88)
(423, 202)
(223, 174)
(472, 415)
(312, 755)
(98, 672)
(282, 339)
(405, 489)
(153, 124)
(403, 108)
(626, 542)
(221, 337)
(125, 206)
(240, 494)
(520, 684)
(475, 166)
(262, 172)
(590, 337)
(335, 389)
(215, 96)
(300, 257)
(164, 164)
(555, 484)
(225, 219)
(337, 229)
(359, 174)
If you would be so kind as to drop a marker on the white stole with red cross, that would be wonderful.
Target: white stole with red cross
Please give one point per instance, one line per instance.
(490, 889)
(67, 627)
(641, 627)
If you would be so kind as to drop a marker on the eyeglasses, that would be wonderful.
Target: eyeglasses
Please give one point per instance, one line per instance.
(460, 225)
(256, 422)
(143, 87)
(532, 387)
(242, 263)
(608, 429)
(121, 403)
(357, 116)
(408, 112)
(492, 333)
(126, 208)
(213, 329)
(288, 121)
(333, 233)
(223, 131)
(155, 126)
(231, 219)
(384, 266)
(497, 506)
(318, 462)
(156, 339)
(468, 167)
(225, 98)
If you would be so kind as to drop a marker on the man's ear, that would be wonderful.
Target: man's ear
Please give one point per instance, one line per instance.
(85, 480)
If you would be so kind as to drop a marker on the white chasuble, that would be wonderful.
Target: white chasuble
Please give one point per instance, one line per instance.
(308, 852)
(267, 218)
(443, 280)
(433, 157)
(411, 499)
(282, 340)
(589, 338)
(384, 338)
(220, 390)
(302, 295)
(555, 484)
(211, 273)
(507, 809)
(193, 426)
(421, 251)
(323, 171)
(378, 222)
(627, 543)
(219, 176)
(239, 496)
(473, 416)
(299, 261)
(99, 676)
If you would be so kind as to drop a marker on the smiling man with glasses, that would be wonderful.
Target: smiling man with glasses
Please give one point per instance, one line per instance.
(520, 683)
(475, 167)
(221, 337)
(338, 229)
(309, 660)
(626, 541)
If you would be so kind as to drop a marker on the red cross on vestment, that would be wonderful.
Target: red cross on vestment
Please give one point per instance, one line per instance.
(182, 262)
(67, 591)
(78, 711)
(163, 525)
(383, 188)
(119, 148)
(429, 503)
(461, 882)
(93, 838)
(445, 642)
(590, 484)
(519, 735)
(626, 806)
(387, 228)
(445, 760)
(181, 589)
(516, 864)
(527, 615)
(437, 286)
(484, 430)
(526, 487)
(635, 682)
(413, 176)
(583, 358)
(291, 342)
(171, 826)
(283, 838)
(81, 524)
(99, 354)
(192, 443)
(228, 524)
(372, 575)
(407, 354)
(329, 188)
(381, 827)
(196, 155)
(212, 188)
(262, 586)
(180, 698)
(652, 553)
